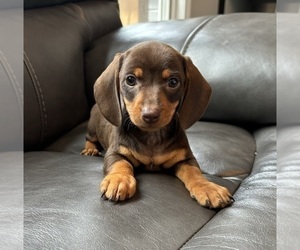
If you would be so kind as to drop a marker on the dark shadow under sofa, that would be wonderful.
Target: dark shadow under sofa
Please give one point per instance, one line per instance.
(67, 44)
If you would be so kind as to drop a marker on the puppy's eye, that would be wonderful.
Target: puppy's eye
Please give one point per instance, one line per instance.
(173, 82)
(131, 80)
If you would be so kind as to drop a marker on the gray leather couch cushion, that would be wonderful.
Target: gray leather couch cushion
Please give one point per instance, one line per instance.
(63, 208)
(239, 61)
(250, 222)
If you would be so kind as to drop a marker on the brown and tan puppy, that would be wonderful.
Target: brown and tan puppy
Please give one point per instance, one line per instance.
(145, 99)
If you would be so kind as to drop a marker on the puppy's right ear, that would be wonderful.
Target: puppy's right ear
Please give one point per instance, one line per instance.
(107, 92)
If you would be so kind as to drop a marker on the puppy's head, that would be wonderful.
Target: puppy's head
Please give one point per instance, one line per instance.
(152, 82)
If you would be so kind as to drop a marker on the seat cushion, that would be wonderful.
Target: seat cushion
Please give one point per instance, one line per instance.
(251, 222)
(64, 209)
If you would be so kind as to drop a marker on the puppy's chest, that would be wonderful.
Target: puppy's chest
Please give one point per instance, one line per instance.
(154, 159)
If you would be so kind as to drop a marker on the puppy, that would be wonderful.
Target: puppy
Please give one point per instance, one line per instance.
(145, 99)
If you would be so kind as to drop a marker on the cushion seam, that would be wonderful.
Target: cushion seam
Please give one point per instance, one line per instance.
(190, 37)
(40, 96)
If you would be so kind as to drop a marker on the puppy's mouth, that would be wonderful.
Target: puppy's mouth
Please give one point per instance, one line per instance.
(155, 126)
(150, 124)
(148, 118)
(150, 127)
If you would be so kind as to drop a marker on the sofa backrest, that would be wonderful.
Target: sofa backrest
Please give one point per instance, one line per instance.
(237, 55)
(55, 40)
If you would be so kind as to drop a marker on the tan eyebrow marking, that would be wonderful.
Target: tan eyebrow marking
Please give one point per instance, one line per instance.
(138, 72)
(166, 74)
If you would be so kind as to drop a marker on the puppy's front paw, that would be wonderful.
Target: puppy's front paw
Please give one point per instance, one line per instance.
(211, 195)
(90, 151)
(118, 187)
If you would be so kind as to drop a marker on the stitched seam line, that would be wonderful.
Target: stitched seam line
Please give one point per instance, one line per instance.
(194, 33)
(194, 234)
(40, 97)
(13, 79)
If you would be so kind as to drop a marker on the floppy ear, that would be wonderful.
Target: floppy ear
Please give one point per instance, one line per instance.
(106, 91)
(196, 97)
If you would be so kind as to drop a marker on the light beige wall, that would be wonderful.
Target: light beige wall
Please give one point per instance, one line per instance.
(133, 11)
(211, 7)
(202, 8)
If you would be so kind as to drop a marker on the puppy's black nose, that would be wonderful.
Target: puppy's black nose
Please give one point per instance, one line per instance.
(150, 115)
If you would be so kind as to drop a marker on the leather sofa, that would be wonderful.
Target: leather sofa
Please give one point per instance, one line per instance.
(67, 44)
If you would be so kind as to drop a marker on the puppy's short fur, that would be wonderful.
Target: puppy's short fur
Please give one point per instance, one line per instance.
(144, 100)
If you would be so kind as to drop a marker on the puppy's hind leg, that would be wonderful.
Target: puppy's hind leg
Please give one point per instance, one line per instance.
(92, 147)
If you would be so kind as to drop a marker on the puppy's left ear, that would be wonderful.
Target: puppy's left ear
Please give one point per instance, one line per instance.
(196, 95)
(107, 94)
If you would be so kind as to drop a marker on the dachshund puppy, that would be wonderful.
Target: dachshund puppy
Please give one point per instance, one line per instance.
(145, 99)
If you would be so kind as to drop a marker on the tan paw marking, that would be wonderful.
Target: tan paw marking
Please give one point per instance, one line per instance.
(118, 187)
(211, 195)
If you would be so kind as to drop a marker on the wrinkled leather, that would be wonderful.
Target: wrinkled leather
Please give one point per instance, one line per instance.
(239, 61)
(11, 203)
(215, 144)
(250, 222)
(61, 188)
(63, 208)
(288, 188)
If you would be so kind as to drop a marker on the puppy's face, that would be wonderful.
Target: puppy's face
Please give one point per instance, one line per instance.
(152, 81)
(152, 85)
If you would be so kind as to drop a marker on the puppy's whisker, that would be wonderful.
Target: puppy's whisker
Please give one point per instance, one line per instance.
(127, 123)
